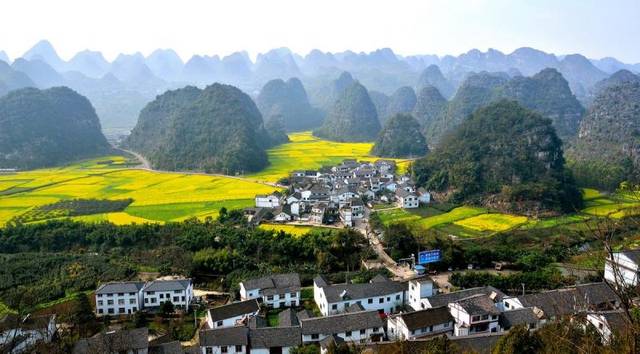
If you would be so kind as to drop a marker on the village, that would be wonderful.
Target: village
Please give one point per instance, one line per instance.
(339, 195)
(375, 315)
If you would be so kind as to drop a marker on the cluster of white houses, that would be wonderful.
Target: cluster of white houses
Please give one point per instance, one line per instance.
(375, 313)
(339, 194)
(383, 309)
(125, 298)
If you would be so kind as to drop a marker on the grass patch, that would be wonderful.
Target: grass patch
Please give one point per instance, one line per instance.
(456, 214)
(4, 309)
(553, 222)
(590, 193)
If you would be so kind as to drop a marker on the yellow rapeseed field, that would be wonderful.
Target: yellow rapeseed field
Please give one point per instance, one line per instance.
(492, 222)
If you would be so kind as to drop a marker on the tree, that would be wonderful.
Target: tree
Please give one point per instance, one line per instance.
(140, 319)
(400, 239)
(519, 340)
(166, 308)
(82, 315)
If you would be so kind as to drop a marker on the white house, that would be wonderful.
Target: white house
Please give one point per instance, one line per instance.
(419, 290)
(282, 216)
(279, 339)
(267, 201)
(381, 295)
(294, 198)
(20, 334)
(233, 314)
(178, 291)
(407, 200)
(346, 216)
(278, 290)
(355, 327)
(424, 197)
(624, 268)
(422, 323)
(228, 340)
(445, 299)
(119, 298)
(609, 323)
(475, 314)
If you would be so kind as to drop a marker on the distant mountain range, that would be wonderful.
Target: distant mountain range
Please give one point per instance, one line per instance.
(142, 78)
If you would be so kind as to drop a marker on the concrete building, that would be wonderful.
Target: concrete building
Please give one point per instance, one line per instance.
(475, 314)
(422, 323)
(119, 298)
(233, 314)
(179, 292)
(278, 290)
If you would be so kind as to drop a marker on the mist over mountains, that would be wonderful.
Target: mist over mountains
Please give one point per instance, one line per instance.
(120, 89)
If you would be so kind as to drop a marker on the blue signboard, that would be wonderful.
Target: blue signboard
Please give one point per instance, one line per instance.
(430, 256)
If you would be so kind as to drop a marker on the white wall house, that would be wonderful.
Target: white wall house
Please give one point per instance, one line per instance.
(268, 340)
(609, 323)
(229, 340)
(355, 327)
(233, 314)
(277, 291)
(20, 334)
(419, 290)
(381, 295)
(119, 298)
(407, 200)
(422, 323)
(475, 314)
(624, 268)
(179, 292)
(267, 201)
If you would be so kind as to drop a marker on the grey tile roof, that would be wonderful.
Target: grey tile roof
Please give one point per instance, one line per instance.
(403, 193)
(445, 299)
(288, 318)
(478, 304)
(633, 255)
(570, 300)
(275, 281)
(304, 314)
(118, 341)
(224, 336)
(234, 309)
(270, 337)
(478, 343)
(167, 285)
(342, 323)
(167, 348)
(425, 318)
(516, 317)
(616, 320)
(362, 291)
(258, 322)
(329, 340)
(120, 287)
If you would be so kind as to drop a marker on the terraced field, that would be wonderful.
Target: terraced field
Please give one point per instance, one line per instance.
(306, 152)
(296, 230)
(158, 197)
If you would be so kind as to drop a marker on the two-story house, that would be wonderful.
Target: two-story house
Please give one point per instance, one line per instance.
(179, 292)
(380, 294)
(267, 201)
(406, 200)
(277, 290)
(119, 298)
(623, 268)
(226, 340)
(357, 327)
(419, 290)
(475, 314)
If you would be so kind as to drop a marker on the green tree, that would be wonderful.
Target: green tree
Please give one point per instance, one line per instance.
(519, 340)
(166, 308)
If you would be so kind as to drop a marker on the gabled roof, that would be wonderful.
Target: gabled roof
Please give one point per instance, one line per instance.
(525, 315)
(616, 320)
(342, 323)
(270, 337)
(224, 336)
(304, 314)
(344, 292)
(258, 322)
(479, 304)
(167, 285)
(445, 299)
(570, 300)
(120, 287)
(425, 318)
(275, 281)
(234, 309)
(166, 348)
(633, 255)
(403, 193)
(117, 341)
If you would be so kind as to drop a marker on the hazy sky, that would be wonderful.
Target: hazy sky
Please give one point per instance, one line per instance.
(593, 28)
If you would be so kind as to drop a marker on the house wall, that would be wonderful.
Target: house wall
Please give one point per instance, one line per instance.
(270, 201)
(419, 291)
(627, 268)
(464, 324)
(282, 300)
(601, 326)
(285, 350)
(397, 329)
(31, 336)
(118, 303)
(231, 349)
(355, 336)
(388, 303)
(180, 298)
(247, 294)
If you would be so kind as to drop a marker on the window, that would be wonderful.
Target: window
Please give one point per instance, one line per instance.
(219, 323)
(224, 349)
(398, 297)
(146, 300)
(209, 350)
(413, 332)
(153, 300)
(359, 302)
(99, 302)
(430, 328)
(150, 292)
(506, 304)
(121, 310)
(132, 294)
(370, 301)
(475, 318)
(135, 309)
(363, 331)
(110, 295)
(375, 330)
(485, 317)
(238, 349)
(109, 302)
(380, 300)
(120, 301)
(347, 333)
(162, 296)
(270, 298)
(120, 294)
(176, 291)
(110, 311)
(292, 294)
(176, 298)
(182, 298)
(346, 304)
(334, 306)
(132, 301)
(99, 295)
(494, 317)
(314, 336)
(388, 298)
(100, 311)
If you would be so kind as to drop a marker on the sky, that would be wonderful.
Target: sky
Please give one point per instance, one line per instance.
(593, 28)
